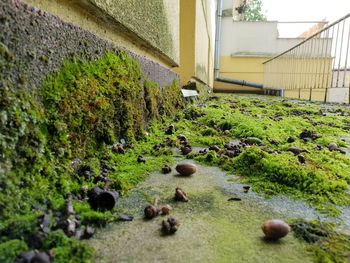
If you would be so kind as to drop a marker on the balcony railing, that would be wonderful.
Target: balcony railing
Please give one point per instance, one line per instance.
(318, 68)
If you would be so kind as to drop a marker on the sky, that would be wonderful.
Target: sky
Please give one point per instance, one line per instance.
(303, 10)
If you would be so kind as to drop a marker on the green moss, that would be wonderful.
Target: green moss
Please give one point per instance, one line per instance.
(11, 249)
(75, 117)
(67, 249)
(327, 244)
(322, 180)
(151, 98)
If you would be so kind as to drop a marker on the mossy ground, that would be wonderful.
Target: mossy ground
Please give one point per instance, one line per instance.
(323, 178)
(48, 137)
(212, 229)
(51, 136)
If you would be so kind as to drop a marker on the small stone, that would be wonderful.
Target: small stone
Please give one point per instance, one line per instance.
(140, 159)
(319, 147)
(166, 169)
(246, 188)
(203, 151)
(118, 148)
(332, 146)
(170, 130)
(41, 257)
(26, 257)
(125, 218)
(307, 135)
(214, 148)
(290, 139)
(186, 169)
(274, 142)
(89, 231)
(296, 150)
(253, 141)
(301, 159)
(186, 149)
(234, 199)
(275, 229)
(182, 137)
(341, 150)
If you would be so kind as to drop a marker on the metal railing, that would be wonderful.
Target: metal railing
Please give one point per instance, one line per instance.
(318, 68)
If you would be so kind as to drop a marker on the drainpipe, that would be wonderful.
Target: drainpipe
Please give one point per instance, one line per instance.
(217, 54)
(240, 82)
(217, 38)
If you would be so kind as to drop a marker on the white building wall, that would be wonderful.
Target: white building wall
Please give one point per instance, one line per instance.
(252, 38)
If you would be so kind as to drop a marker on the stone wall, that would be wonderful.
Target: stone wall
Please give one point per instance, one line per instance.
(34, 43)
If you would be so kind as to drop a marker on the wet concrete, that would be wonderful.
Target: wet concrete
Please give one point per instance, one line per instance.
(212, 229)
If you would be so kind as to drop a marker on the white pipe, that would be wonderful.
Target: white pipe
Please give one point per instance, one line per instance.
(217, 38)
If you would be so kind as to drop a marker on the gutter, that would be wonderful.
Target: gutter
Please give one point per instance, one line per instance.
(217, 55)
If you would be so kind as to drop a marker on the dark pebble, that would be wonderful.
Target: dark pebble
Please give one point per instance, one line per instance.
(125, 218)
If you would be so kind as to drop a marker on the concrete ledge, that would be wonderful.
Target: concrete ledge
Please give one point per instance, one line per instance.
(38, 42)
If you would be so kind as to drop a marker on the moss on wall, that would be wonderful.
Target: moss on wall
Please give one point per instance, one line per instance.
(76, 114)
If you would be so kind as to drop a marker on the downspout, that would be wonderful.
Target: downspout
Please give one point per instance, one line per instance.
(217, 39)
(217, 54)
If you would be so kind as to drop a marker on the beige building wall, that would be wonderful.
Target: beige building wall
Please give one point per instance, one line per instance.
(197, 42)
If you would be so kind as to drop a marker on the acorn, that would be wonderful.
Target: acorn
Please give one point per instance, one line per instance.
(186, 169)
(180, 195)
(152, 211)
(275, 229)
(165, 210)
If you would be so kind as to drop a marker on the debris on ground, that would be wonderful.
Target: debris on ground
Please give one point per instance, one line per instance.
(170, 226)
(180, 195)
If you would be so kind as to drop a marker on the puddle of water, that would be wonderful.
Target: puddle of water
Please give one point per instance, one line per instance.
(212, 229)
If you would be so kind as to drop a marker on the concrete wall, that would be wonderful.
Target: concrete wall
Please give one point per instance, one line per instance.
(37, 43)
(176, 34)
(196, 41)
(147, 28)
